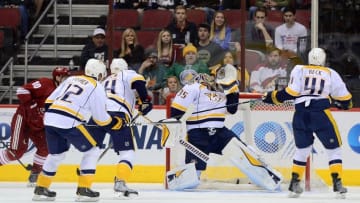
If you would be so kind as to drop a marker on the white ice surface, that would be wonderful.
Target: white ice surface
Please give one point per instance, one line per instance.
(155, 193)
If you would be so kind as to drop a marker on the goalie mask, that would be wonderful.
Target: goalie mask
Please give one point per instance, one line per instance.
(206, 80)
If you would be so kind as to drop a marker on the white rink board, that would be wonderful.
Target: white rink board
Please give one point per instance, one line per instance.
(150, 152)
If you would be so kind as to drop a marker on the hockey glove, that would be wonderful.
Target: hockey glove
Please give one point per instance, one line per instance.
(270, 98)
(145, 106)
(343, 105)
(226, 77)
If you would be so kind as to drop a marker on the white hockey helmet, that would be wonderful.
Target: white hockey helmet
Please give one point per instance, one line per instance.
(317, 56)
(95, 68)
(117, 65)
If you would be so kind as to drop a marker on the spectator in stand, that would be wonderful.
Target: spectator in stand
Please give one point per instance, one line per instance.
(170, 4)
(208, 51)
(230, 4)
(183, 31)
(208, 6)
(259, 34)
(131, 50)
(191, 63)
(126, 4)
(153, 73)
(220, 32)
(287, 34)
(271, 75)
(96, 48)
(165, 49)
(38, 6)
(272, 5)
(172, 87)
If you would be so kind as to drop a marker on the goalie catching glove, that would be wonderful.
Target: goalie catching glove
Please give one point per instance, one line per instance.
(226, 78)
(145, 106)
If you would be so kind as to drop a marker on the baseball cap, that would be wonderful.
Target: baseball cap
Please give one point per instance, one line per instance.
(99, 31)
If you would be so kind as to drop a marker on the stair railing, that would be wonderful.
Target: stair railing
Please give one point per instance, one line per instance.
(28, 57)
(9, 66)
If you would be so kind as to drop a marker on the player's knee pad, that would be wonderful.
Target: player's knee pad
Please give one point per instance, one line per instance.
(302, 154)
(334, 154)
(53, 161)
(127, 155)
(90, 158)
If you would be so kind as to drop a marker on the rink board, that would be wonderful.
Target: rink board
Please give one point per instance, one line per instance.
(150, 156)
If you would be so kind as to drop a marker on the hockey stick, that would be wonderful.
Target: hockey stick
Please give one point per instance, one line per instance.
(229, 105)
(26, 167)
(110, 144)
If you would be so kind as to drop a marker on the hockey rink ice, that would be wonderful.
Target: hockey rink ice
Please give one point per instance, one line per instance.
(155, 193)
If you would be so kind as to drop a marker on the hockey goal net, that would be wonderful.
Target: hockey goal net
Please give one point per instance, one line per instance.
(267, 129)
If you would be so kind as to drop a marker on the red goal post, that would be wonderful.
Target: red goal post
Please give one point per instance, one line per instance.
(267, 128)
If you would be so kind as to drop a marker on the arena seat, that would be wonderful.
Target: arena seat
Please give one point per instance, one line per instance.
(156, 19)
(304, 17)
(147, 38)
(1, 39)
(126, 18)
(275, 16)
(233, 18)
(196, 16)
(253, 58)
(10, 19)
(116, 39)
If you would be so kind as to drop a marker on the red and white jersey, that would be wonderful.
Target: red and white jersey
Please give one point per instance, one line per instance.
(36, 91)
(264, 79)
(121, 96)
(76, 100)
(203, 99)
(316, 82)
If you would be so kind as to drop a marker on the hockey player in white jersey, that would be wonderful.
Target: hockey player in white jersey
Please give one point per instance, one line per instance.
(67, 109)
(122, 87)
(206, 130)
(314, 87)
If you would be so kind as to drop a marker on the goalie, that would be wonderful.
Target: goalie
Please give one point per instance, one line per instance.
(206, 131)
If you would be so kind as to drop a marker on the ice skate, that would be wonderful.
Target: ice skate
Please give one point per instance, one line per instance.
(338, 188)
(32, 179)
(122, 191)
(86, 195)
(294, 188)
(43, 194)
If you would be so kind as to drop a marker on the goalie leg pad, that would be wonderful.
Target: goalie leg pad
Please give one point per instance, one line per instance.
(248, 162)
(183, 177)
